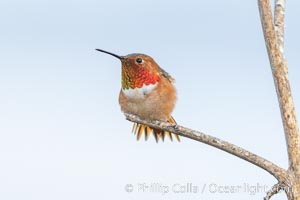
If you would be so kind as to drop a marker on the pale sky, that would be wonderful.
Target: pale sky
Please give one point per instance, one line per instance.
(63, 136)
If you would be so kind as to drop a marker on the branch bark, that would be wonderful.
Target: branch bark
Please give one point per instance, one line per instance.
(279, 14)
(274, 190)
(279, 173)
(274, 39)
(280, 75)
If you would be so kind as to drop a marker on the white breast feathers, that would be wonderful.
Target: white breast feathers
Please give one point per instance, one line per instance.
(139, 93)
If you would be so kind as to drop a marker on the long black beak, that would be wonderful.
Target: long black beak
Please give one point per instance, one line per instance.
(112, 54)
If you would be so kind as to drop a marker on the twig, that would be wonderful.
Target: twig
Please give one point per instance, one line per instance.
(280, 75)
(274, 190)
(279, 13)
(270, 167)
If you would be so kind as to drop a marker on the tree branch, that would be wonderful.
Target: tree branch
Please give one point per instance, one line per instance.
(279, 14)
(274, 190)
(280, 75)
(270, 167)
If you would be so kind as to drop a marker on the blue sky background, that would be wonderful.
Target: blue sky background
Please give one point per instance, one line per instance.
(62, 134)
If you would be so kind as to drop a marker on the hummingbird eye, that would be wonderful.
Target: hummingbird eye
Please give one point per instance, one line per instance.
(139, 60)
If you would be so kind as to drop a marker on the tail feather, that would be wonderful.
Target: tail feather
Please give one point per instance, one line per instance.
(148, 131)
(139, 129)
(134, 127)
(163, 134)
(169, 135)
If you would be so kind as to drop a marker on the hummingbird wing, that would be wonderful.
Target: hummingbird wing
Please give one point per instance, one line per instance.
(165, 74)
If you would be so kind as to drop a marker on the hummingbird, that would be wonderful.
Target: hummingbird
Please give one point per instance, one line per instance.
(147, 91)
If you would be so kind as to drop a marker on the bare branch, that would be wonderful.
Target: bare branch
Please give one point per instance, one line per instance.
(279, 23)
(270, 167)
(274, 190)
(280, 75)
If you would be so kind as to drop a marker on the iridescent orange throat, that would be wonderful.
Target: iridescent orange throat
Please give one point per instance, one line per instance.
(136, 77)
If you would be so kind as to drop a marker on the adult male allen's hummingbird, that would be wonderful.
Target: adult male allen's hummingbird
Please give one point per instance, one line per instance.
(147, 91)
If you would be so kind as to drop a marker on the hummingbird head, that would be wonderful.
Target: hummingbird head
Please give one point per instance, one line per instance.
(137, 70)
